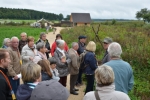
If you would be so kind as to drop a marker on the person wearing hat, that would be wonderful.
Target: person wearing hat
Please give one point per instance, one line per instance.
(81, 43)
(106, 42)
(49, 90)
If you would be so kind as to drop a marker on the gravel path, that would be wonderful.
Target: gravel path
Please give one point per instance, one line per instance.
(51, 38)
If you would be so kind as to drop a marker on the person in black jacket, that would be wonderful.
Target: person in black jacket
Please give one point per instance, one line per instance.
(45, 41)
(4, 87)
(81, 43)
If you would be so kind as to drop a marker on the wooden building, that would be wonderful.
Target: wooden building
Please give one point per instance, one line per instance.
(80, 19)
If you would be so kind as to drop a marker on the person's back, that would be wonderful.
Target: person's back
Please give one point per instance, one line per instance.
(123, 75)
(107, 95)
(24, 92)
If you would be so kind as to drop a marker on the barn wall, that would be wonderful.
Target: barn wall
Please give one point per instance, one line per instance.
(82, 24)
(71, 19)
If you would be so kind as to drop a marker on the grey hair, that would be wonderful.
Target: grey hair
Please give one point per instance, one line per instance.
(74, 44)
(14, 37)
(114, 50)
(24, 33)
(5, 41)
(42, 33)
(60, 42)
(40, 45)
(104, 75)
(52, 60)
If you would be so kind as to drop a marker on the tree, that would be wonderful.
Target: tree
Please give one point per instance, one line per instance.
(143, 14)
(61, 16)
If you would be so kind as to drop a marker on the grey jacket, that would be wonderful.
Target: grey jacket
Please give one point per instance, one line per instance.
(106, 57)
(75, 64)
(62, 68)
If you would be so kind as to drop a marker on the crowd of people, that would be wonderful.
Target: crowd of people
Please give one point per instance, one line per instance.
(45, 77)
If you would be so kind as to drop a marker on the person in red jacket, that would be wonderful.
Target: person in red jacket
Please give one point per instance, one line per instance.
(53, 48)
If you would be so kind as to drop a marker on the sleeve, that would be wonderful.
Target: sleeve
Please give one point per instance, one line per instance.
(131, 80)
(68, 60)
(2, 89)
(92, 62)
(53, 49)
(11, 71)
(74, 61)
(24, 55)
(59, 63)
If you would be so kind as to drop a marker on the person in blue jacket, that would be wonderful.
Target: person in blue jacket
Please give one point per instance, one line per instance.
(91, 65)
(123, 71)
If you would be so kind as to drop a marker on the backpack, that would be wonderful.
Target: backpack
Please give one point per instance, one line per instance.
(82, 62)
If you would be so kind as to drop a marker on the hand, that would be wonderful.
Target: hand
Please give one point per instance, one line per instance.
(31, 58)
(63, 60)
(16, 77)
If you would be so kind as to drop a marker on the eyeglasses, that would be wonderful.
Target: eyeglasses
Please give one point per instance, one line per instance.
(105, 43)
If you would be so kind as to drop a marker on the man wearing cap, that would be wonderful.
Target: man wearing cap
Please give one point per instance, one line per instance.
(106, 42)
(81, 43)
(49, 90)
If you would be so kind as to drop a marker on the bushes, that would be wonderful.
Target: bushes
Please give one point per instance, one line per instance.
(135, 42)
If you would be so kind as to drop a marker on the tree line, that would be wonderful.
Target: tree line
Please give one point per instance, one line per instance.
(143, 14)
(13, 13)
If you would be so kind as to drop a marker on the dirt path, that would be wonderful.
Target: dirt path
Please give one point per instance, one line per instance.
(51, 38)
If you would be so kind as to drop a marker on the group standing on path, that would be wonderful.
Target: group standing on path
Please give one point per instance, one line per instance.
(45, 77)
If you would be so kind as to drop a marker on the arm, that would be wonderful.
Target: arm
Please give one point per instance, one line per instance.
(58, 59)
(11, 71)
(2, 89)
(53, 48)
(24, 55)
(131, 80)
(92, 62)
(68, 60)
(74, 61)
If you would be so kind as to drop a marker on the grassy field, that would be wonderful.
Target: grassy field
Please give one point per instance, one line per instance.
(9, 31)
(134, 38)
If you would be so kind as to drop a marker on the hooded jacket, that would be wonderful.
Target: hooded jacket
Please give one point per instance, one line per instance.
(24, 92)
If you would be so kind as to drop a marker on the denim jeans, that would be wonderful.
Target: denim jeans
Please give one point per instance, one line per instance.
(14, 84)
(90, 83)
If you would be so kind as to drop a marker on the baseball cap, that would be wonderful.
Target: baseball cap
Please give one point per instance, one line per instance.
(81, 37)
(49, 90)
(107, 40)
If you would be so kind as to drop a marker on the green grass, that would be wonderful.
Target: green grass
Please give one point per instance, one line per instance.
(134, 38)
(10, 31)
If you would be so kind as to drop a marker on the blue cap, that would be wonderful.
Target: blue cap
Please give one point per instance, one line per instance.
(81, 37)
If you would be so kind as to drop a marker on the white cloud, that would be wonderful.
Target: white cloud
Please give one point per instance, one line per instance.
(97, 8)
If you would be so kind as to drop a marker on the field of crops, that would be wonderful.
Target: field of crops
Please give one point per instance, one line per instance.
(134, 38)
(9, 31)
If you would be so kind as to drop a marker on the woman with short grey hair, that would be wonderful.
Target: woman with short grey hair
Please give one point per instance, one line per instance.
(63, 61)
(41, 49)
(6, 43)
(105, 88)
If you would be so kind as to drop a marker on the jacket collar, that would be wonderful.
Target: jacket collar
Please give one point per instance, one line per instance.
(106, 88)
(3, 70)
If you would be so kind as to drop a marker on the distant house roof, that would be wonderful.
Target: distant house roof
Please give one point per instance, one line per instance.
(81, 17)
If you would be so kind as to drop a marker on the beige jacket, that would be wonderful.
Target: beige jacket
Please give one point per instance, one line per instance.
(107, 93)
(75, 64)
(15, 65)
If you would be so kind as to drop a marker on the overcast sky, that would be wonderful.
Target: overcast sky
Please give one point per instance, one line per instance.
(101, 9)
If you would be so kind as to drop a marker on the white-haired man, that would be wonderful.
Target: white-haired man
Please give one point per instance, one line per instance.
(15, 65)
(74, 67)
(122, 70)
(23, 41)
